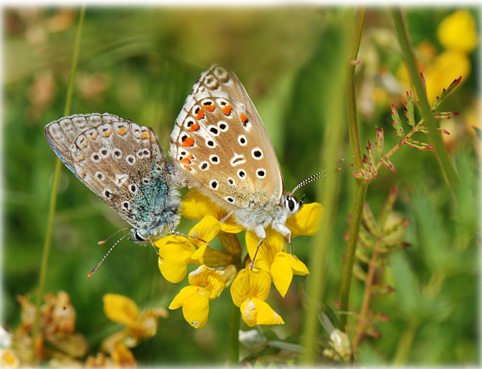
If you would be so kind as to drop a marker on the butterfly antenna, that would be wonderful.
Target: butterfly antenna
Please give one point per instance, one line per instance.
(107, 254)
(317, 176)
(112, 235)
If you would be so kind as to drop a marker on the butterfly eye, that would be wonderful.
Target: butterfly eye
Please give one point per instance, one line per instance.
(292, 204)
(138, 237)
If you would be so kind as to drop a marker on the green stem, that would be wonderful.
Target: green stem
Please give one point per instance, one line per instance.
(441, 153)
(405, 343)
(360, 185)
(327, 189)
(233, 359)
(55, 187)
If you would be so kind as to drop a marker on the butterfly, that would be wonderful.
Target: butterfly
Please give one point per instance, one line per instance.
(220, 146)
(124, 165)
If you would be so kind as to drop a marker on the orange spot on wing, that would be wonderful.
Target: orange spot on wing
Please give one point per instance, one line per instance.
(93, 136)
(122, 131)
(145, 135)
(107, 134)
(210, 108)
(200, 114)
(186, 160)
(187, 167)
(194, 127)
(227, 109)
(190, 156)
(244, 118)
(188, 142)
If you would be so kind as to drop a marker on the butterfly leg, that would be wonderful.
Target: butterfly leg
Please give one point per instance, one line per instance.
(227, 216)
(261, 233)
(173, 232)
(285, 232)
(154, 247)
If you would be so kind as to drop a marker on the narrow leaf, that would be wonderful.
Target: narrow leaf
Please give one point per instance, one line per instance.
(409, 113)
(446, 92)
(388, 164)
(378, 317)
(370, 221)
(445, 114)
(390, 247)
(388, 206)
(362, 255)
(418, 145)
(379, 143)
(401, 224)
(382, 289)
(396, 122)
(359, 273)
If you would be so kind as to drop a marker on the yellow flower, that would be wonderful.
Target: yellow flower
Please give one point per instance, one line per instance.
(306, 222)
(458, 31)
(272, 259)
(196, 206)
(249, 290)
(121, 309)
(206, 284)
(177, 252)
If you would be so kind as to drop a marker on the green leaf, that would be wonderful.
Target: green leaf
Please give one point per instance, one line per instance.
(396, 122)
(370, 221)
(446, 92)
(418, 145)
(379, 143)
(409, 113)
(359, 273)
(388, 206)
(382, 289)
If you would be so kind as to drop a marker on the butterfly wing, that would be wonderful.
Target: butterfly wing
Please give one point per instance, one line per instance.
(122, 163)
(220, 142)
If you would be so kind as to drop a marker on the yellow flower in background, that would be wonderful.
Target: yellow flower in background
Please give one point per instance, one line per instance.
(458, 34)
(249, 290)
(446, 67)
(139, 325)
(206, 284)
(458, 31)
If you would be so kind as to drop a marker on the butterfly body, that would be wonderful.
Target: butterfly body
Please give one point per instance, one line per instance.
(123, 164)
(220, 146)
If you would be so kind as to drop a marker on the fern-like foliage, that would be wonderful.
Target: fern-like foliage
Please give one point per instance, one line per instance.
(371, 164)
(374, 244)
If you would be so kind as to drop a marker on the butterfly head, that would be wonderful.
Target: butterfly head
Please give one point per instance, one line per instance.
(292, 204)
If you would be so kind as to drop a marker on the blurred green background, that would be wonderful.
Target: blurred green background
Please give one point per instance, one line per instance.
(140, 63)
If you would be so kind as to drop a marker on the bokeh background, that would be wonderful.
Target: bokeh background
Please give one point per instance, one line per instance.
(141, 62)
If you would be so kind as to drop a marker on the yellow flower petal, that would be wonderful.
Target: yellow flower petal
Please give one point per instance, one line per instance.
(206, 230)
(196, 206)
(185, 293)
(255, 311)
(269, 248)
(212, 280)
(307, 221)
(195, 305)
(250, 283)
(175, 254)
(120, 309)
(458, 31)
(281, 273)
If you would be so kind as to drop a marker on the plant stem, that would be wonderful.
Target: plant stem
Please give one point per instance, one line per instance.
(327, 189)
(55, 187)
(360, 185)
(362, 317)
(233, 359)
(405, 343)
(426, 111)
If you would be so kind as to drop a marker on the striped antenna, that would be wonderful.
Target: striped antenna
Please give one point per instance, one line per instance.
(107, 254)
(317, 176)
(112, 235)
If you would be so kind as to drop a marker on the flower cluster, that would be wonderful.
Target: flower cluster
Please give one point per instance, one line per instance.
(219, 269)
(457, 33)
(58, 344)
